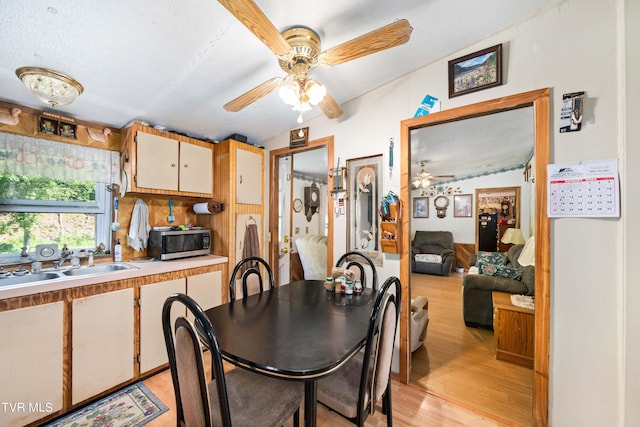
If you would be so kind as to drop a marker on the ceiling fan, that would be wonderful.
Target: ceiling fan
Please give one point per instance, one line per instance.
(424, 179)
(298, 52)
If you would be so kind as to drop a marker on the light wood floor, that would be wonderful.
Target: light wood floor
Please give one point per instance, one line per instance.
(412, 407)
(459, 363)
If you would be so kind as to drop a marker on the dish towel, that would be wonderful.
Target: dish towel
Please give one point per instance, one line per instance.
(139, 228)
(251, 246)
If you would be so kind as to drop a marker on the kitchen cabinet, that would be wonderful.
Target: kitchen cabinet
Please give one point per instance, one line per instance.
(66, 346)
(31, 362)
(249, 173)
(238, 171)
(153, 351)
(159, 162)
(206, 289)
(101, 337)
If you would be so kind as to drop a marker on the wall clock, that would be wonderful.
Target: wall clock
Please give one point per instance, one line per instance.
(297, 205)
(441, 203)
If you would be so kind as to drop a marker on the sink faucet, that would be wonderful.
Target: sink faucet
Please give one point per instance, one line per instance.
(64, 255)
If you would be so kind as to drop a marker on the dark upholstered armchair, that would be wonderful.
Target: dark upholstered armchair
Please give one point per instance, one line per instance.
(432, 252)
(477, 300)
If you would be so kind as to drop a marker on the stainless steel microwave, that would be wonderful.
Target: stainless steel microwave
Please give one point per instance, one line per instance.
(173, 244)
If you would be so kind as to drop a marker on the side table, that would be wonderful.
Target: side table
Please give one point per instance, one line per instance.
(513, 330)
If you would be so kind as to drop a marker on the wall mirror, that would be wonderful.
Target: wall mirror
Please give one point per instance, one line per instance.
(452, 129)
(364, 176)
(299, 211)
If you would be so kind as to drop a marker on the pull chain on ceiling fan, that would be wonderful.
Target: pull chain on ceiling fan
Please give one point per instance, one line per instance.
(298, 51)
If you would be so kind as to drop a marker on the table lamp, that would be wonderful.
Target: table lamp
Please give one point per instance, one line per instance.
(513, 236)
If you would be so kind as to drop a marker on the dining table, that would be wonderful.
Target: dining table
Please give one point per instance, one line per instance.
(299, 332)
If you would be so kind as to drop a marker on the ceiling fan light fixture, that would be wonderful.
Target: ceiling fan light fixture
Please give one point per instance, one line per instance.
(51, 87)
(315, 91)
(290, 92)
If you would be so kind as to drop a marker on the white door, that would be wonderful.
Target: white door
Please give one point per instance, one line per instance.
(284, 218)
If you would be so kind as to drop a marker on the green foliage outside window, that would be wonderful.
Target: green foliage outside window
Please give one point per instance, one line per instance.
(18, 229)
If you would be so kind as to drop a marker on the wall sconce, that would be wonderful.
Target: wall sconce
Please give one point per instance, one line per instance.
(50, 87)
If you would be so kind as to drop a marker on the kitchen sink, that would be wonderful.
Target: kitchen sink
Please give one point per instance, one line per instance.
(61, 274)
(28, 278)
(97, 269)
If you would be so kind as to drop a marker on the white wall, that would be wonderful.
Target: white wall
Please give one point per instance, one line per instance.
(577, 46)
(464, 229)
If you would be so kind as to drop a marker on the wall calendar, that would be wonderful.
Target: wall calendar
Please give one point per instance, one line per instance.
(583, 190)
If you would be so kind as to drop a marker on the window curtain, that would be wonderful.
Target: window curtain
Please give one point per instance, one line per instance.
(23, 155)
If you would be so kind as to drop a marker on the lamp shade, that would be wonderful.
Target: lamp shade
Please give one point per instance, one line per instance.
(528, 254)
(513, 236)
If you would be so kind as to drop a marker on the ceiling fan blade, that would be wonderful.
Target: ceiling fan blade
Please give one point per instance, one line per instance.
(250, 15)
(378, 40)
(330, 107)
(253, 95)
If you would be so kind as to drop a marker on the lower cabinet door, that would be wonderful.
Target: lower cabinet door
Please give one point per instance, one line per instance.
(205, 289)
(153, 351)
(31, 363)
(102, 343)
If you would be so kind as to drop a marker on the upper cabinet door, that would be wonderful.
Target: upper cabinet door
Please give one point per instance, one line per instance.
(196, 168)
(158, 160)
(248, 177)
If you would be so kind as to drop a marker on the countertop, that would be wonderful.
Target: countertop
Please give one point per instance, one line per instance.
(143, 267)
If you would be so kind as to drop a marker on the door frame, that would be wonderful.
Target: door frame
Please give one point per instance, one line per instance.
(539, 99)
(274, 157)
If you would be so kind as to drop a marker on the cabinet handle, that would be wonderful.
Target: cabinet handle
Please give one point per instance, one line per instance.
(173, 165)
(240, 179)
(186, 165)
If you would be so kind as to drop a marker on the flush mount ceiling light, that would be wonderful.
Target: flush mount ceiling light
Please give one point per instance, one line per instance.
(51, 87)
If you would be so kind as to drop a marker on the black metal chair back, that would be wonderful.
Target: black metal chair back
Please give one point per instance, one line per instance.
(375, 382)
(205, 332)
(354, 259)
(248, 267)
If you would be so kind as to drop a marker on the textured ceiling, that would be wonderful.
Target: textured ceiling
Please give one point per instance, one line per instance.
(474, 147)
(177, 63)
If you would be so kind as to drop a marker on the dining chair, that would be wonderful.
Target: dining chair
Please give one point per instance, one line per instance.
(353, 260)
(238, 397)
(355, 388)
(249, 268)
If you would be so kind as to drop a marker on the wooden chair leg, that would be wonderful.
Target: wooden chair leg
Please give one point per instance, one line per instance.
(296, 418)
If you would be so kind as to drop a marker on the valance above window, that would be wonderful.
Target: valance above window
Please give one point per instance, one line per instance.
(23, 155)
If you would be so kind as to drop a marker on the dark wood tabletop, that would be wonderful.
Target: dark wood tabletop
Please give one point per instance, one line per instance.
(298, 331)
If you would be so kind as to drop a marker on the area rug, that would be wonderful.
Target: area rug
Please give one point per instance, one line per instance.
(132, 406)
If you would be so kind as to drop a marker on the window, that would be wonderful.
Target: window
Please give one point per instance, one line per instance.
(58, 195)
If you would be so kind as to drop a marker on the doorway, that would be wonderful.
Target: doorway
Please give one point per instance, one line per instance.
(299, 207)
(539, 100)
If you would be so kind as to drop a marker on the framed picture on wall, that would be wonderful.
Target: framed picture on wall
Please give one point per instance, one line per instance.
(462, 204)
(476, 71)
(421, 207)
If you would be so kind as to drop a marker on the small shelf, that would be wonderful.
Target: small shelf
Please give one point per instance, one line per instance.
(391, 230)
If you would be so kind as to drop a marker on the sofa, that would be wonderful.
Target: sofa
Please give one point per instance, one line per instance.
(432, 252)
(477, 301)
(312, 249)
